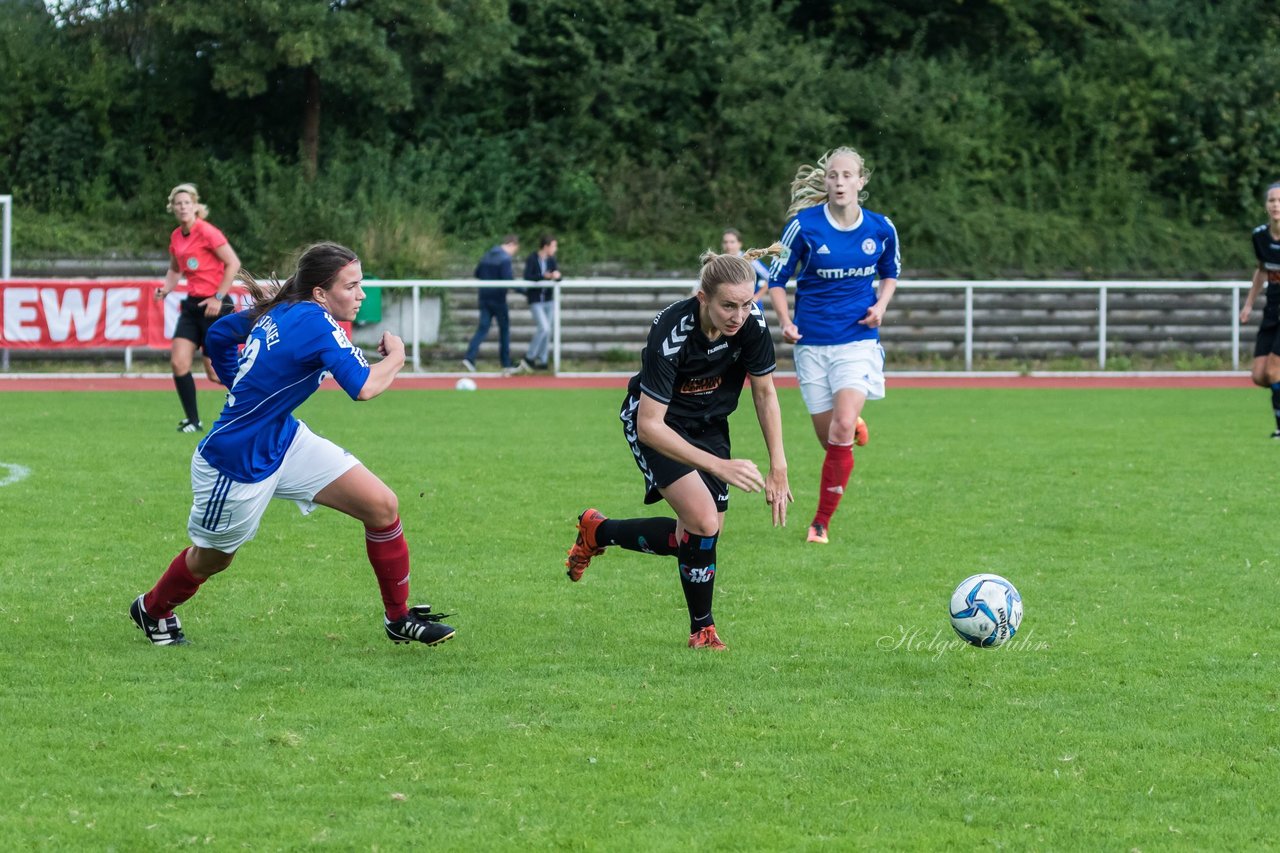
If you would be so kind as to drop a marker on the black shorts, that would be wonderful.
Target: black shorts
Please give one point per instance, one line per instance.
(193, 325)
(1268, 341)
(660, 471)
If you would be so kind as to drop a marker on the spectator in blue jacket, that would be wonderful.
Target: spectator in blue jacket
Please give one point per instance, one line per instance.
(494, 266)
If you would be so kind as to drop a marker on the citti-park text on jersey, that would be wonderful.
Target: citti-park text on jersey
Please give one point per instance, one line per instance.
(852, 272)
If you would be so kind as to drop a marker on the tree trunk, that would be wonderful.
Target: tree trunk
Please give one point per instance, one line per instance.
(311, 126)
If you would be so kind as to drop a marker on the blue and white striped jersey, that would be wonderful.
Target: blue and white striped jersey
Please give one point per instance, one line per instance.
(286, 356)
(835, 271)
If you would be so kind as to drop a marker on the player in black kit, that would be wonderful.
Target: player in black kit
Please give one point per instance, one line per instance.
(1266, 350)
(675, 419)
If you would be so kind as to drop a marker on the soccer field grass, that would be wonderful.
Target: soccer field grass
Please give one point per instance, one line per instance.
(1136, 709)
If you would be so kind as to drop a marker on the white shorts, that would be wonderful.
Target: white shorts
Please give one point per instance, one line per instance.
(225, 514)
(824, 370)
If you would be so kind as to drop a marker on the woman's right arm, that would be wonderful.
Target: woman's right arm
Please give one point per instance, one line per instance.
(778, 297)
(1259, 277)
(652, 429)
(170, 278)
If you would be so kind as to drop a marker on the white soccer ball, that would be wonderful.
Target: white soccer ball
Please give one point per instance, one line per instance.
(466, 383)
(986, 610)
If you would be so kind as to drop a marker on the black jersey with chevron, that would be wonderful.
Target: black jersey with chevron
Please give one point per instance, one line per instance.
(1267, 250)
(698, 379)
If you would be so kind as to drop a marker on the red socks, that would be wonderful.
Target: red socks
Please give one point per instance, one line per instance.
(389, 556)
(175, 586)
(836, 470)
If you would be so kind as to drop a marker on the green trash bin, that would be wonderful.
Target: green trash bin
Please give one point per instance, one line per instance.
(371, 308)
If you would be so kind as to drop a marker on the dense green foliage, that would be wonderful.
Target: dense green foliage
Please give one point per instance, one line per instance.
(1118, 137)
(1136, 712)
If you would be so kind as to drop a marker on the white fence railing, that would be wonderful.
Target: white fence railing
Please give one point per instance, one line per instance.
(966, 288)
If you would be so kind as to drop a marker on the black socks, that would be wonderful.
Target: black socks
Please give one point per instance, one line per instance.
(648, 535)
(186, 386)
(698, 577)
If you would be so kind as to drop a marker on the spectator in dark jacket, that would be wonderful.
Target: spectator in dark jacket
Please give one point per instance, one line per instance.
(540, 266)
(494, 266)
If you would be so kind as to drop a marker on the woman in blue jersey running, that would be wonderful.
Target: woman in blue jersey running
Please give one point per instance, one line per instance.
(257, 450)
(836, 250)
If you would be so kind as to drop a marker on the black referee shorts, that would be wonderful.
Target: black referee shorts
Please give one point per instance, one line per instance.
(193, 325)
(660, 471)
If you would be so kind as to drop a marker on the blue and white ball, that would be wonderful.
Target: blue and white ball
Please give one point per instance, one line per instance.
(986, 610)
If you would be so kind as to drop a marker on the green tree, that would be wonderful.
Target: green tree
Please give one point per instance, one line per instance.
(362, 49)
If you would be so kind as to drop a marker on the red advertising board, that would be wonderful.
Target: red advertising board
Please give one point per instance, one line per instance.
(87, 313)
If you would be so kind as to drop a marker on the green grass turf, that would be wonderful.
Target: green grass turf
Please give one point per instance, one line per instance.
(1137, 708)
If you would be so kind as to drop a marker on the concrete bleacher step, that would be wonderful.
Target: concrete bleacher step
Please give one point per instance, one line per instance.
(1006, 324)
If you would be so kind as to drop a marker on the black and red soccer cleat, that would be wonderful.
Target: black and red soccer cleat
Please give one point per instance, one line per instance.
(585, 546)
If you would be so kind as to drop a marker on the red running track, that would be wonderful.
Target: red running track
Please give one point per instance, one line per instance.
(493, 382)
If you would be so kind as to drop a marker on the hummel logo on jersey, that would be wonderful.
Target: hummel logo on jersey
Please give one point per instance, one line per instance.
(836, 490)
(823, 250)
(717, 347)
(678, 335)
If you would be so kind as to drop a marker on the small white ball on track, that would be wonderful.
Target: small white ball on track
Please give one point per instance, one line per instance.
(466, 383)
(986, 610)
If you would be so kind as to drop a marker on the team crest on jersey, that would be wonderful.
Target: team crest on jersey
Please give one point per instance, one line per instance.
(868, 246)
(193, 263)
(700, 386)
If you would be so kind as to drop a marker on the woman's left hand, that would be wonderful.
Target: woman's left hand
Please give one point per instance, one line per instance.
(777, 493)
(390, 344)
(875, 315)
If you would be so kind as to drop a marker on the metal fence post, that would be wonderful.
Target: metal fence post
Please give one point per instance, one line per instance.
(1235, 327)
(417, 333)
(968, 328)
(1102, 327)
(6, 236)
(555, 327)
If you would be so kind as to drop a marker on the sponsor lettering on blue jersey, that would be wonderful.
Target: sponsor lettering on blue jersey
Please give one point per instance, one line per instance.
(287, 354)
(835, 271)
